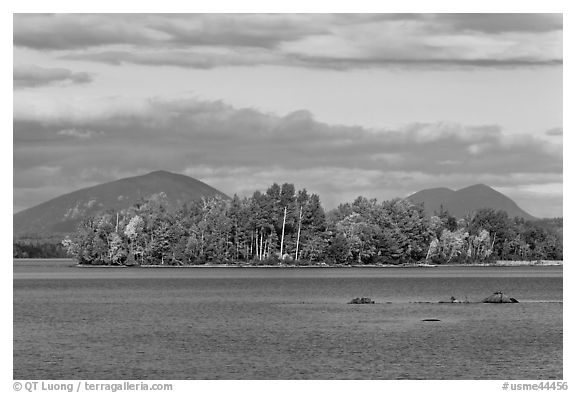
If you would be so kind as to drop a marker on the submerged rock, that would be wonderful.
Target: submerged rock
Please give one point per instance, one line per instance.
(361, 300)
(499, 297)
(430, 320)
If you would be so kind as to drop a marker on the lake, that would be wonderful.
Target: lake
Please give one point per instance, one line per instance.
(265, 323)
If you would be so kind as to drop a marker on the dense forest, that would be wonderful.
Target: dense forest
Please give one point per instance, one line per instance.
(39, 246)
(290, 227)
(24, 248)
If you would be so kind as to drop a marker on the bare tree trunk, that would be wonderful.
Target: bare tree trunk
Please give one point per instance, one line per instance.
(256, 244)
(299, 227)
(237, 245)
(257, 256)
(261, 238)
(202, 245)
(429, 249)
(493, 241)
(282, 239)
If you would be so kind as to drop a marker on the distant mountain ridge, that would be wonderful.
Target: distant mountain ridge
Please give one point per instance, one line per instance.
(467, 200)
(62, 214)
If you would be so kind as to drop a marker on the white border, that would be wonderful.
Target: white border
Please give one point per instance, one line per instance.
(292, 6)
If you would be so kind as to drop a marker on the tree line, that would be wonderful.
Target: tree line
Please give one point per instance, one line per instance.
(41, 248)
(289, 226)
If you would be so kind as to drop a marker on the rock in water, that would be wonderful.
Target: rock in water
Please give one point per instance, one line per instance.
(499, 297)
(361, 300)
(452, 300)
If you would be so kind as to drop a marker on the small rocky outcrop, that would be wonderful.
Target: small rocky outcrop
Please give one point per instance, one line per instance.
(451, 300)
(499, 297)
(361, 300)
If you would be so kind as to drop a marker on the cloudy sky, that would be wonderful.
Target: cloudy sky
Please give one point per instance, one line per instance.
(380, 105)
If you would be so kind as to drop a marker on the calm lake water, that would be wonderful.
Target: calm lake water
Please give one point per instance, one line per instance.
(246, 323)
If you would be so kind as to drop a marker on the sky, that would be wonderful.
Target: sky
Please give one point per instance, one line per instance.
(379, 105)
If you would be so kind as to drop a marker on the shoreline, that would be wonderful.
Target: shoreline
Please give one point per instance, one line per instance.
(318, 266)
(409, 266)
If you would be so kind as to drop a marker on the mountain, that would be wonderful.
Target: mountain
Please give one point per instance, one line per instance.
(467, 200)
(62, 214)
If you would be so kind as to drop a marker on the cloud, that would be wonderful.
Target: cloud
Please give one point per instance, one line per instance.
(500, 23)
(207, 131)
(79, 31)
(332, 41)
(557, 131)
(239, 30)
(237, 149)
(198, 58)
(34, 76)
(82, 134)
(210, 59)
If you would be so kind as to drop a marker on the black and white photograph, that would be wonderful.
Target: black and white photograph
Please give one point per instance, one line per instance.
(287, 196)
